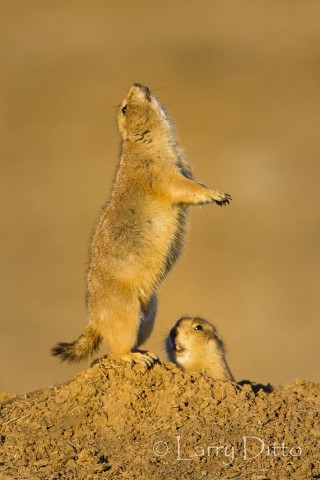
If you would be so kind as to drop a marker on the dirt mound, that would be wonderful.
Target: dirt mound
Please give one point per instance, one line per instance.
(117, 421)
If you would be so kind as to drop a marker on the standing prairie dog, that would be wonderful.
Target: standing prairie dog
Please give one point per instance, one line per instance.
(194, 345)
(140, 233)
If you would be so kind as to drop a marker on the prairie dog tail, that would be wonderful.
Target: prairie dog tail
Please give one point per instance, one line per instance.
(74, 352)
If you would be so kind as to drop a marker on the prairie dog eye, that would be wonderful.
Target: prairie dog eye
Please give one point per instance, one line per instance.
(124, 110)
(198, 327)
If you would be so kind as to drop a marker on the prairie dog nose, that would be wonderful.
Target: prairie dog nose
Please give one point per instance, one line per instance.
(145, 90)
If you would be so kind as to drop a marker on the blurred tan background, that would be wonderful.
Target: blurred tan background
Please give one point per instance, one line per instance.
(241, 81)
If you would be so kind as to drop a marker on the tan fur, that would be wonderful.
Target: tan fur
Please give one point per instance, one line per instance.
(141, 231)
(194, 345)
(78, 350)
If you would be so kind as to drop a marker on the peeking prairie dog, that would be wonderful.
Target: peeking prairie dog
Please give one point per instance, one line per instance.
(140, 233)
(194, 345)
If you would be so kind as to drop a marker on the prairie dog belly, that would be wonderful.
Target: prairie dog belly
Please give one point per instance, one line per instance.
(142, 244)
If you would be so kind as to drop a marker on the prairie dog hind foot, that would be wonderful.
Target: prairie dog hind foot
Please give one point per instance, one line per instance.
(147, 359)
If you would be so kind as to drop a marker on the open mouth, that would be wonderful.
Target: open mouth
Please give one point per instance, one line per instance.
(178, 348)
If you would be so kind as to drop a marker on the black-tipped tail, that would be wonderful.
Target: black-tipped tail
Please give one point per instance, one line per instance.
(88, 342)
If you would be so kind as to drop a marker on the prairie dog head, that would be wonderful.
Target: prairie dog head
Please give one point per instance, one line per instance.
(141, 117)
(194, 345)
